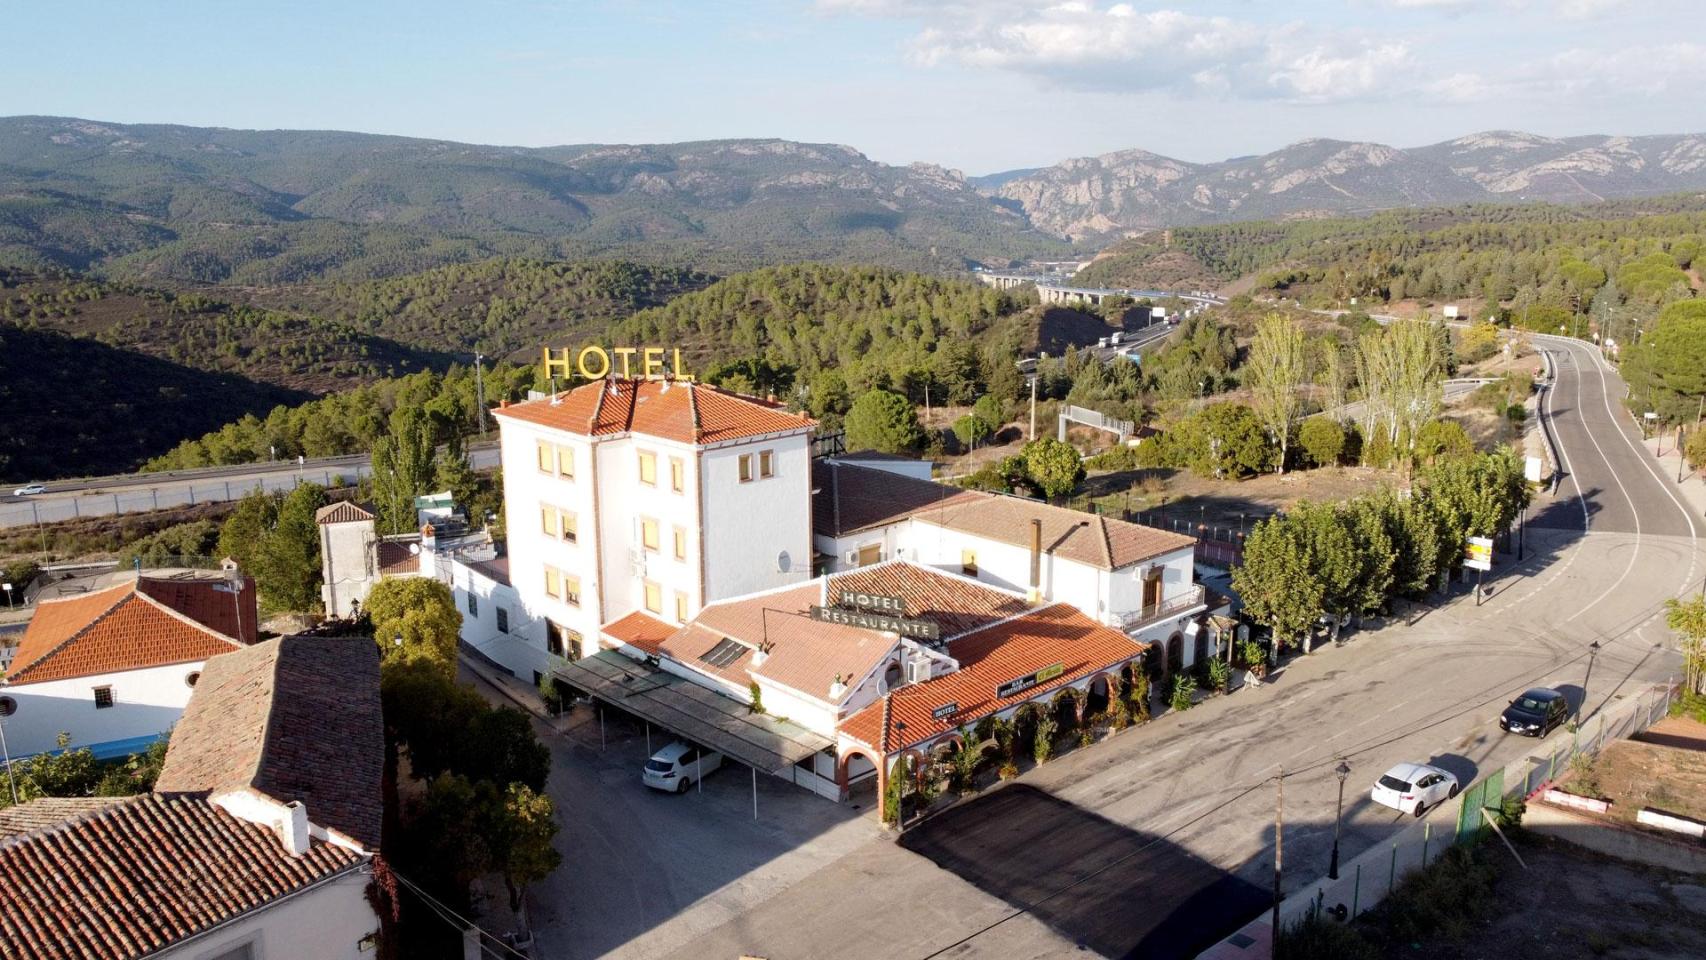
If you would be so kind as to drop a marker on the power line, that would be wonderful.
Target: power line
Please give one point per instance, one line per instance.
(456, 920)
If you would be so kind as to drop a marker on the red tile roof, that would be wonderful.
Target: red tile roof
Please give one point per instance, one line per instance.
(672, 410)
(296, 718)
(851, 498)
(341, 512)
(396, 559)
(990, 657)
(137, 876)
(642, 630)
(146, 623)
(807, 655)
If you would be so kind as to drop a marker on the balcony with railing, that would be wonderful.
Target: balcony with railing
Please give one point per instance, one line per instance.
(1179, 603)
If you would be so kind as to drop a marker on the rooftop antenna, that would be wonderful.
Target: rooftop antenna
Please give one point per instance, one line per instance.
(556, 401)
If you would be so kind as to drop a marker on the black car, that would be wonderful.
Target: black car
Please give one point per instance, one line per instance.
(1535, 713)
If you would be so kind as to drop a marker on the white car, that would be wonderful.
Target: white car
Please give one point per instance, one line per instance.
(677, 766)
(30, 490)
(1414, 788)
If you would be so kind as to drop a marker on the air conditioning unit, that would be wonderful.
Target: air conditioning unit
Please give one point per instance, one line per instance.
(918, 671)
(851, 556)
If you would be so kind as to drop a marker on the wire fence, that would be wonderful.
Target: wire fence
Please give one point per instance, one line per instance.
(33, 511)
(1372, 876)
(1220, 543)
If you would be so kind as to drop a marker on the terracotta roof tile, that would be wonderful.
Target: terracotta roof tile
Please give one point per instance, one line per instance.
(48, 811)
(147, 623)
(642, 630)
(139, 875)
(296, 718)
(990, 657)
(807, 655)
(672, 410)
(395, 558)
(851, 498)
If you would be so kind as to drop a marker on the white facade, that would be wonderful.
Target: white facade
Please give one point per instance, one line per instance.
(347, 562)
(656, 525)
(145, 704)
(1108, 596)
(329, 921)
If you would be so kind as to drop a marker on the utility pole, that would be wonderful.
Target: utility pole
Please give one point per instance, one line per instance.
(1033, 434)
(480, 391)
(1279, 849)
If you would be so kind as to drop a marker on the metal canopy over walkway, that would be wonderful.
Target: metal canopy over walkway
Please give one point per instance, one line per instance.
(691, 711)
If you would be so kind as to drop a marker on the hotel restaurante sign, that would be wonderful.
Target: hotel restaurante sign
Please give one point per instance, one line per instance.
(873, 611)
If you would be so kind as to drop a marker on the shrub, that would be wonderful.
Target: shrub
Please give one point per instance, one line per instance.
(1008, 770)
(1317, 937)
(757, 704)
(1584, 775)
(1219, 675)
(1322, 440)
(1043, 748)
(1140, 695)
(1181, 697)
(1446, 900)
(1086, 737)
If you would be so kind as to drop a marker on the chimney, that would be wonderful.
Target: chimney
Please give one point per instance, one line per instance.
(838, 689)
(1035, 594)
(293, 829)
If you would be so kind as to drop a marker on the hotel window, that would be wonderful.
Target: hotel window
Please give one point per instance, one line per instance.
(648, 468)
(649, 534)
(680, 607)
(870, 553)
(545, 456)
(570, 526)
(473, 605)
(553, 582)
(103, 697)
(681, 543)
(745, 467)
(548, 521)
(677, 474)
(571, 590)
(560, 641)
(968, 562)
(766, 464)
(654, 597)
(566, 462)
(503, 620)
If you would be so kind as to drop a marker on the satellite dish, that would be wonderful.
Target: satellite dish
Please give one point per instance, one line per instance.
(415, 548)
(784, 562)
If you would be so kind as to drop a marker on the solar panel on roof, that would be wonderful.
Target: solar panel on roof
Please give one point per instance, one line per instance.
(724, 653)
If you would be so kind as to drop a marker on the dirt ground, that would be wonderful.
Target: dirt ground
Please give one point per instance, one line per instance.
(1664, 768)
(1572, 904)
(1180, 495)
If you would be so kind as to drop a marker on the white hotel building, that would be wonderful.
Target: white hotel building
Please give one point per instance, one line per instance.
(647, 499)
(677, 534)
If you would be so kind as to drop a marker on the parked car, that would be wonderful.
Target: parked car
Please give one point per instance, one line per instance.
(29, 491)
(677, 766)
(1414, 787)
(1536, 713)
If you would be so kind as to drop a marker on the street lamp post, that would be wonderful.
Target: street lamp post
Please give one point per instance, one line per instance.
(1593, 652)
(1343, 770)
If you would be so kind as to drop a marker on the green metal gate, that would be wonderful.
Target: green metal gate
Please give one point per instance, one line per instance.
(1489, 794)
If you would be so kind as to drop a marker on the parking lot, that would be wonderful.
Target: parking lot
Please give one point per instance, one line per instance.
(644, 872)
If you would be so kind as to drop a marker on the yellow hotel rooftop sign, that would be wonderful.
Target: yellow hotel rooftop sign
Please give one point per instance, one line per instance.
(627, 363)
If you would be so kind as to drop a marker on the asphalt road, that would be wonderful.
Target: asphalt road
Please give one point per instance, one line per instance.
(136, 492)
(1154, 841)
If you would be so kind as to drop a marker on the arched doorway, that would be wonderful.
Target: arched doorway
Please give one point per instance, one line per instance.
(1065, 706)
(1199, 653)
(1098, 695)
(1175, 654)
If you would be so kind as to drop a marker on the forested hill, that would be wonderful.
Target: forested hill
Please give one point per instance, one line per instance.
(73, 406)
(250, 207)
(505, 308)
(1485, 251)
(299, 354)
(874, 326)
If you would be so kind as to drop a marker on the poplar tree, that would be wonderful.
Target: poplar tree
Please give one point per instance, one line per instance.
(1276, 369)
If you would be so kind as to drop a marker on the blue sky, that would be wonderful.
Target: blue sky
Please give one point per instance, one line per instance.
(980, 85)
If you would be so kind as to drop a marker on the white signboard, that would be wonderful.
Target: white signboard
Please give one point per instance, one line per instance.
(1478, 555)
(1531, 470)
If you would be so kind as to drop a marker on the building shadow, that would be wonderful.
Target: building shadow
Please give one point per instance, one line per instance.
(1111, 889)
